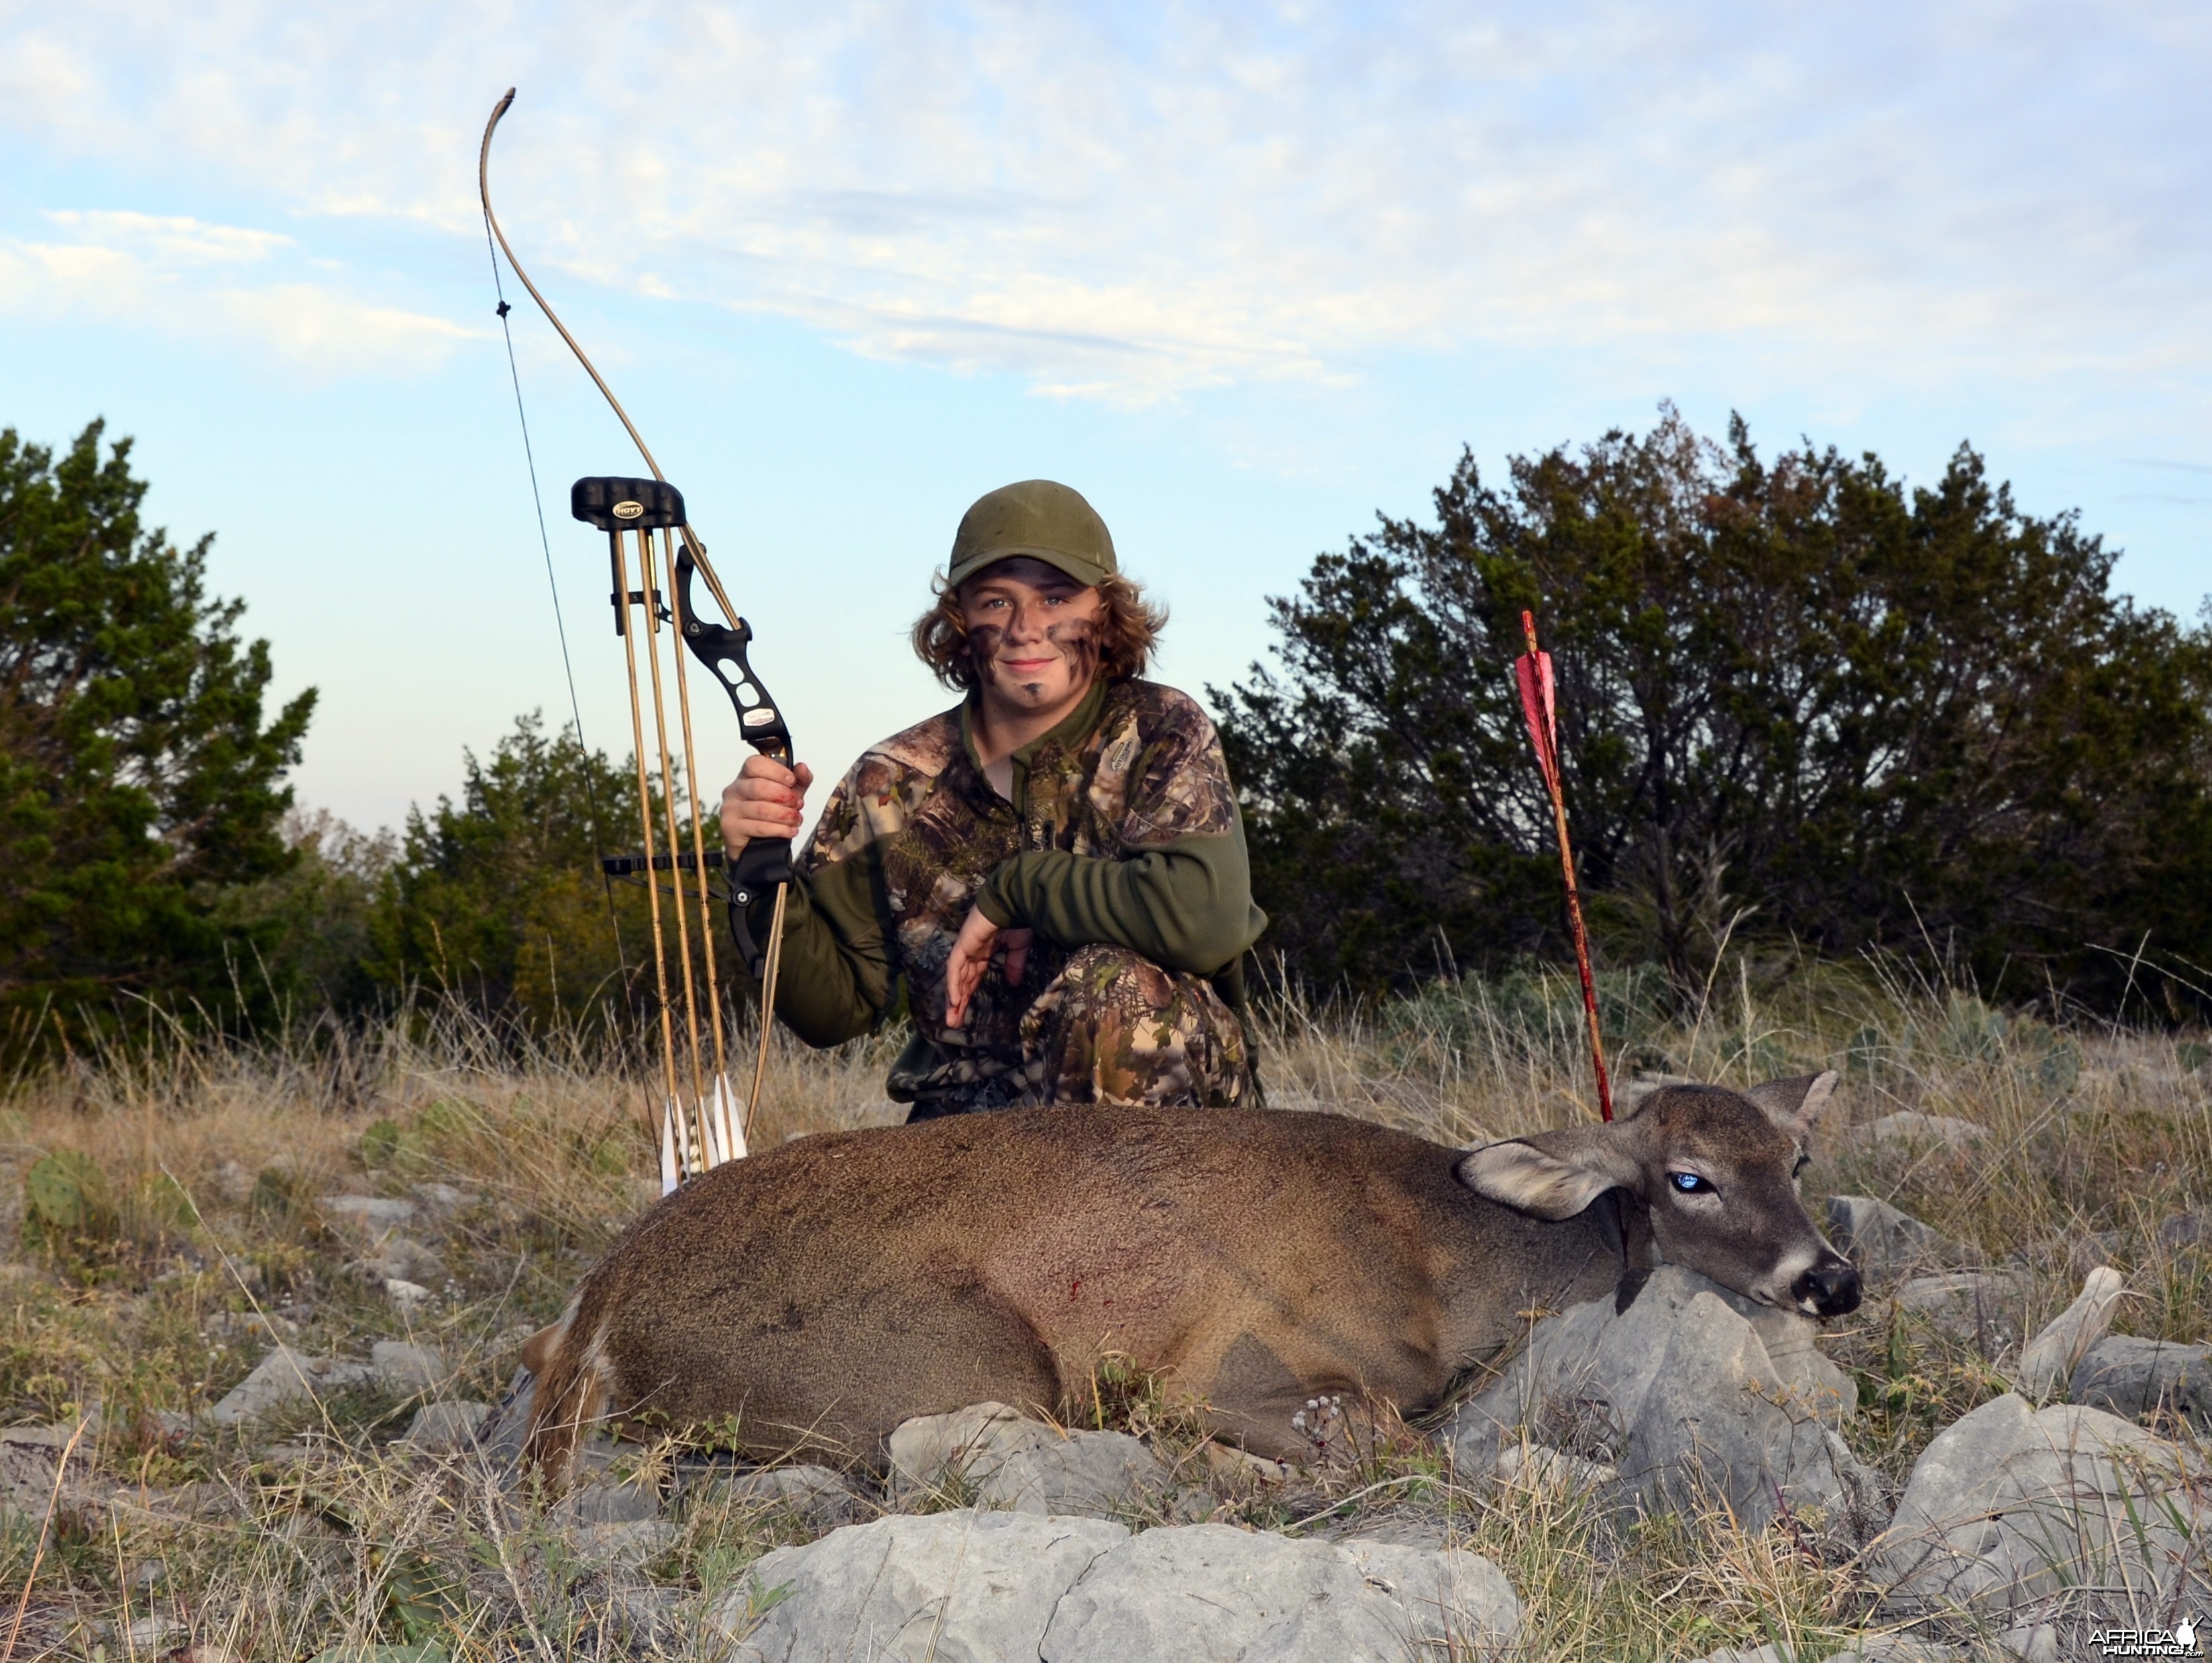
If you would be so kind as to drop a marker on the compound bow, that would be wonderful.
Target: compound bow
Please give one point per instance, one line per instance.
(696, 1129)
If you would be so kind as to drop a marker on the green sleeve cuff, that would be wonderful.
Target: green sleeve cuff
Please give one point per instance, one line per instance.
(994, 906)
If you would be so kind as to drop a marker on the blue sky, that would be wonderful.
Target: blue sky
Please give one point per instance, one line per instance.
(1245, 275)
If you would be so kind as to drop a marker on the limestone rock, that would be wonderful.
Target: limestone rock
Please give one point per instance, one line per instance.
(2018, 1514)
(1886, 1244)
(2034, 1643)
(407, 1296)
(404, 1368)
(155, 1633)
(1212, 1593)
(446, 1429)
(2049, 1358)
(2187, 1229)
(30, 1457)
(373, 1213)
(401, 1259)
(2132, 1377)
(963, 1586)
(234, 1183)
(1535, 1467)
(1025, 1464)
(648, 1617)
(604, 1500)
(1717, 1425)
(285, 1377)
(442, 1200)
(1687, 1390)
(971, 1586)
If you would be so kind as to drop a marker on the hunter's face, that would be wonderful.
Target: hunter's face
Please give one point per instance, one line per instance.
(1034, 633)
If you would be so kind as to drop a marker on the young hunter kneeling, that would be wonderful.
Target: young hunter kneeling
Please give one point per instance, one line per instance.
(1055, 867)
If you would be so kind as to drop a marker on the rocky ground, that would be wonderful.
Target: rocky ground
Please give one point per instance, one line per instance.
(265, 1399)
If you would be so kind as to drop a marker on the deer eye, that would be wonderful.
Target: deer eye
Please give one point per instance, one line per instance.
(1689, 1184)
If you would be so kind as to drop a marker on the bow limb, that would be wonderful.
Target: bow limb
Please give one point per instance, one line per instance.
(484, 191)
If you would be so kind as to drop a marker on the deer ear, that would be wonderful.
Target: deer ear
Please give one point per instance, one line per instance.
(1795, 1105)
(1553, 1174)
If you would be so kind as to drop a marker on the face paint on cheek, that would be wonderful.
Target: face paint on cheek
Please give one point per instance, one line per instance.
(983, 641)
(1078, 641)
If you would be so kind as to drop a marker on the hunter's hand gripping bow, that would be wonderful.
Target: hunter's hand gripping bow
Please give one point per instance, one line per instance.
(697, 1130)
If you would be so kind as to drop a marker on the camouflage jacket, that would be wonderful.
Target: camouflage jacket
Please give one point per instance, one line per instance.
(1122, 828)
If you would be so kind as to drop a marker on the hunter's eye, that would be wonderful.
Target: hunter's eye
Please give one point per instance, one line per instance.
(1689, 1183)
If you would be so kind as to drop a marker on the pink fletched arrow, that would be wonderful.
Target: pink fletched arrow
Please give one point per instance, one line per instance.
(1539, 707)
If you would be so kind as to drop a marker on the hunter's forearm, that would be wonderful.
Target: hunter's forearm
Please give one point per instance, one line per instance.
(1185, 905)
(836, 979)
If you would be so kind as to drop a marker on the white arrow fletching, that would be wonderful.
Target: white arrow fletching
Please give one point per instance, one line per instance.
(671, 1173)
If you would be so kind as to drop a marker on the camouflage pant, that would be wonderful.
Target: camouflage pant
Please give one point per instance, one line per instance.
(1114, 1027)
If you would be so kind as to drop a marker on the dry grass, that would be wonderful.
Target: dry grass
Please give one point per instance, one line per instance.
(213, 1158)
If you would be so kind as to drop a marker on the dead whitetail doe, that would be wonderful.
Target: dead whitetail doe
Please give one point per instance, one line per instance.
(817, 1295)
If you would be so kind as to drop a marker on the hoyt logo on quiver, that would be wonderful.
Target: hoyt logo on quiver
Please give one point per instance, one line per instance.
(645, 521)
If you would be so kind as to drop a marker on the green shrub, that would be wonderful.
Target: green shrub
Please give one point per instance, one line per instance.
(443, 1121)
(275, 1197)
(379, 1143)
(160, 1206)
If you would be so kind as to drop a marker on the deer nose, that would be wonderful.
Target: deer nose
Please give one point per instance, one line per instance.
(1832, 1287)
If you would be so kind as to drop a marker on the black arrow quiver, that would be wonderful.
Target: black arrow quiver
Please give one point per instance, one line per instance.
(644, 518)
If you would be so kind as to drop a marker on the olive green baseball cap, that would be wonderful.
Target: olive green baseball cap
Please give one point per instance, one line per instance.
(1040, 519)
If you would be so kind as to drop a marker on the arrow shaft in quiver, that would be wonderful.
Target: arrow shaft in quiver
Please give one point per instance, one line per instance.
(670, 777)
(700, 891)
(694, 1126)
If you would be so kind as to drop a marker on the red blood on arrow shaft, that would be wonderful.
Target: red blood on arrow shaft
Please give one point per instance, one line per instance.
(1532, 672)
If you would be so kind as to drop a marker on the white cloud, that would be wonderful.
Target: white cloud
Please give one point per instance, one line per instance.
(186, 276)
(171, 239)
(1133, 201)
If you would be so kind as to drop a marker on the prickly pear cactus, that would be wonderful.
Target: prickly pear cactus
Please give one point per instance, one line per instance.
(63, 1196)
